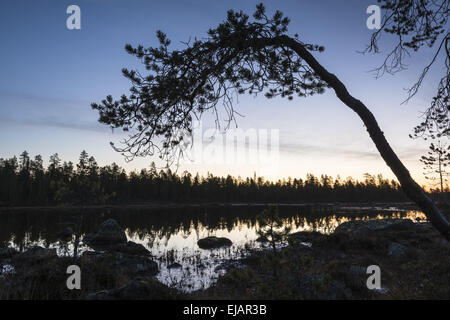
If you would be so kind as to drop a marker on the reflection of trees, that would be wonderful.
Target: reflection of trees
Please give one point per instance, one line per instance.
(43, 227)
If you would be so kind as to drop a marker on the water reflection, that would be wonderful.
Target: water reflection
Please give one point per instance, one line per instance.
(171, 234)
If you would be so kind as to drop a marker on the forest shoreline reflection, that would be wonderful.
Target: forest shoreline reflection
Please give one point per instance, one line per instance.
(44, 225)
(171, 233)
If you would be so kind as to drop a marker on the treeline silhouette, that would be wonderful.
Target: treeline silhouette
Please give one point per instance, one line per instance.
(25, 181)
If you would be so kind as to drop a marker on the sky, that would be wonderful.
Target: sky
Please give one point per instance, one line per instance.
(50, 75)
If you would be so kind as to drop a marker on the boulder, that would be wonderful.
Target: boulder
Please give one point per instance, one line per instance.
(305, 236)
(369, 227)
(129, 248)
(109, 233)
(132, 248)
(214, 242)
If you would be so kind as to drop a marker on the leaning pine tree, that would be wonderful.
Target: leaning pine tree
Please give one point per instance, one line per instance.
(239, 56)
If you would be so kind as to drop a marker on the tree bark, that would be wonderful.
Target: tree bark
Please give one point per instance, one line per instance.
(410, 187)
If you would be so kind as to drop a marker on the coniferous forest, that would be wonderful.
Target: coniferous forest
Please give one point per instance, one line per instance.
(25, 181)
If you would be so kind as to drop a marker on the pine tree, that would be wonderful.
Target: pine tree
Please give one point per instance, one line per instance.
(435, 164)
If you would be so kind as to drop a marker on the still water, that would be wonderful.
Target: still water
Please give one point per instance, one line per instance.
(171, 234)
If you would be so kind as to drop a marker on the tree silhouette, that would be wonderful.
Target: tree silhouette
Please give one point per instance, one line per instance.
(63, 184)
(239, 56)
(435, 164)
(272, 227)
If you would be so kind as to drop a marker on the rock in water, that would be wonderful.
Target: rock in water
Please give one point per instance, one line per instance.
(131, 248)
(129, 265)
(174, 265)
(109, 233)
(368, 227)
(214, 242)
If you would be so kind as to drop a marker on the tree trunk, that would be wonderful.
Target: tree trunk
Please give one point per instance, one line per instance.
(410, 187)
(440, 174)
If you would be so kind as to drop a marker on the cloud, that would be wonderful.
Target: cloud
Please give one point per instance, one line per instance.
(302, 148)
(37, 99)
(57, 123)
(33, 110)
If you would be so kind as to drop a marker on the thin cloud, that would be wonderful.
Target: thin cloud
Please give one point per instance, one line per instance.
(33, 99)
(302, 148)
(78, 125)
(19, 108)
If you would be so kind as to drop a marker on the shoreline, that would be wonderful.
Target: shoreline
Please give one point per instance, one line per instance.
(145, 205)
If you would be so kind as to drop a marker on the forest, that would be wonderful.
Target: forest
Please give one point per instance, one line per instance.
(25, 181)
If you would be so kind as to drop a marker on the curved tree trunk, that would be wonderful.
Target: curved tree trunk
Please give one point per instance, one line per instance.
(410, 187)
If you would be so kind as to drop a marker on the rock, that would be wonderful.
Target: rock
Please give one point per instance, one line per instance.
(140, 288)
(174, 265)
(305, 236)
(34, 255)
(109, 233)
(133, 248)
(214, 242)
(368, 227)
(364, 231)
(396, 250)
(130, 248)
(400, 225)
(7, 253)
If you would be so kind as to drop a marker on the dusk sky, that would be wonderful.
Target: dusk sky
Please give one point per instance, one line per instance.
(50, 75)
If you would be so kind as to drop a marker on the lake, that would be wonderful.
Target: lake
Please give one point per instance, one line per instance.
(171, 233)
